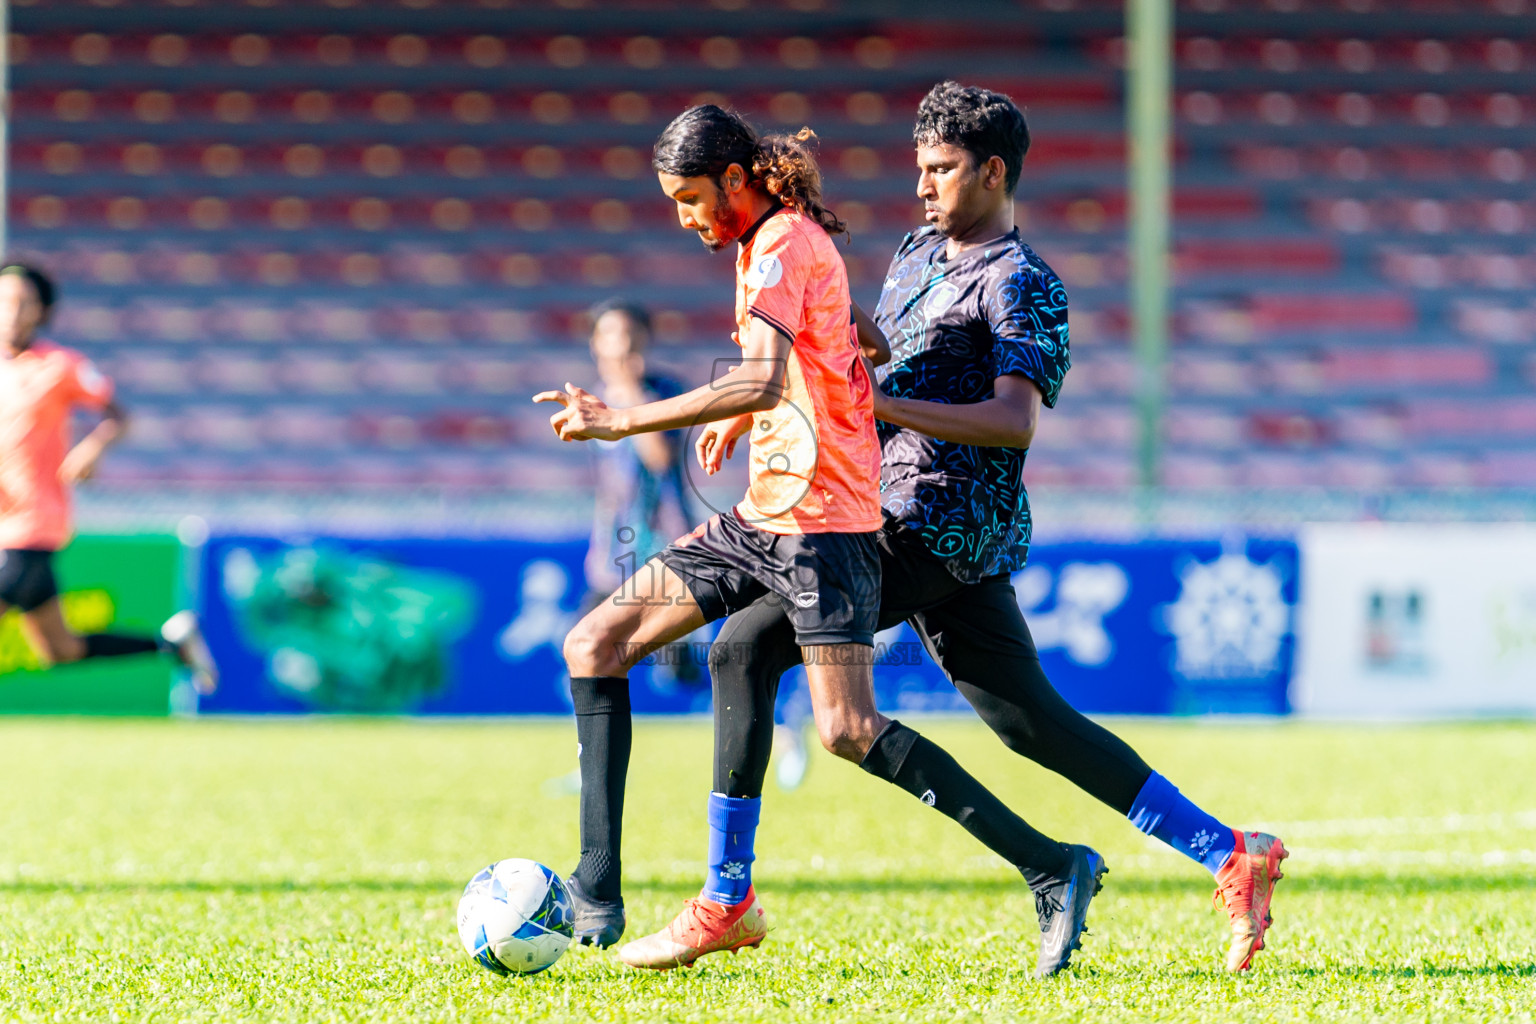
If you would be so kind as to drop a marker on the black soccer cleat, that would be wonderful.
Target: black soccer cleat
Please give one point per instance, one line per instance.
(598, 923)
(1062, 906)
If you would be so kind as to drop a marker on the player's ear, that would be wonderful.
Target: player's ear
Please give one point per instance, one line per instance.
(996, 172)
(734, 179)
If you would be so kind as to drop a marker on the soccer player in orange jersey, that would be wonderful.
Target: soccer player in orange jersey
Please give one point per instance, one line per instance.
(804, 533)
(40, 385)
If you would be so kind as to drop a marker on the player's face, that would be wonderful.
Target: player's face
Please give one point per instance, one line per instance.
(952, 188)
(20, 313)
(614, 349)
(711, 208)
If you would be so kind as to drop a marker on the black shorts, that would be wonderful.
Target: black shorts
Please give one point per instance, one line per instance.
(26, 579)
(828, 583)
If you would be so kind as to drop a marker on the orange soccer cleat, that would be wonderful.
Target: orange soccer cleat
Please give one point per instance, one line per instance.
(703, 927)
(1244, 886)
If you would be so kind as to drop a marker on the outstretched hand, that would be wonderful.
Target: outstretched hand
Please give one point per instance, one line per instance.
(583, 416)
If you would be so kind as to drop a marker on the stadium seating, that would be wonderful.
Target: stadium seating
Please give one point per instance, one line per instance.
(327, 242)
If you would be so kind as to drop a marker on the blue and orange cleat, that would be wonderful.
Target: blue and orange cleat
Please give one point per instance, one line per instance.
(703, 927)
(1244, 887)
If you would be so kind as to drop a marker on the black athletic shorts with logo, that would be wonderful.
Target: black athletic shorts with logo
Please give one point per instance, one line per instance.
(828, 583)
(26, 579)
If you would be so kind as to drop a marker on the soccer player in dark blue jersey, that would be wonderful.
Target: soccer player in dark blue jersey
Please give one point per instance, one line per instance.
(977, 326)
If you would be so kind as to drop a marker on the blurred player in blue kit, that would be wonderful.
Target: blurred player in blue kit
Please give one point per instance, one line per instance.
(644, 499)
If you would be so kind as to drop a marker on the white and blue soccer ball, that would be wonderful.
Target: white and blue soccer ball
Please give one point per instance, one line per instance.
(515, 917)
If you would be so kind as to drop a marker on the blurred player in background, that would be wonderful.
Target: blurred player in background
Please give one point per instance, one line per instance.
(644, 500)
(805, 532)
(40, 385)
(978, 330)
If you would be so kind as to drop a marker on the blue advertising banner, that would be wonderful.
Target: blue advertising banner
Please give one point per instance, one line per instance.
(470, 627)
(412, 626)
(1153, 626)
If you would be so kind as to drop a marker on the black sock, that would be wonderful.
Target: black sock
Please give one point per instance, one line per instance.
(115, 645)
(922, 768)
(604, 732)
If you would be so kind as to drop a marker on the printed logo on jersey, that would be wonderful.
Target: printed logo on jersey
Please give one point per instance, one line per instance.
(807, 599)
(765, 272)
(941, 297)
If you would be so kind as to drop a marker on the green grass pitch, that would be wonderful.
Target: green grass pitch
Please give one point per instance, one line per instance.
(308, 871)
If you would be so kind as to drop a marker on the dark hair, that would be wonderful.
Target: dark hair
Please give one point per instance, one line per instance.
(638, 315)
(703, 141)
(983, 122)
(41, 282)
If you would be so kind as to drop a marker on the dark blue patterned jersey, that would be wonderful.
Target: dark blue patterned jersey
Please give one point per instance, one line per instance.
(955, 326)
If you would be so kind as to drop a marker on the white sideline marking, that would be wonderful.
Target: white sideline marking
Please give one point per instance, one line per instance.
(1406, 826)
(1307, 857)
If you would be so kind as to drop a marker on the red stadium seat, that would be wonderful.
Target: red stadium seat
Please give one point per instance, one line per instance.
(1501, 418)
(1441, 366)
(1184, 470)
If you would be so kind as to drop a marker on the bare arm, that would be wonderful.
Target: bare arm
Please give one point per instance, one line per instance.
(80, 463)
(753, 386)
(653, 450)
(1007, 420)
(872, 340)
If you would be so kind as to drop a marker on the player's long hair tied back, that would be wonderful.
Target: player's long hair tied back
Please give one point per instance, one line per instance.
(705, 140)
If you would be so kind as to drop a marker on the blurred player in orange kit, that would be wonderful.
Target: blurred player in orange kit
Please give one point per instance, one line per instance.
(40, 385)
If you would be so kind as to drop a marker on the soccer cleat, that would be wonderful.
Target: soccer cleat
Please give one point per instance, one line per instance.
(1062, 907)
(597, 922)
(185, 637)
(1244, 886)
(703, 927)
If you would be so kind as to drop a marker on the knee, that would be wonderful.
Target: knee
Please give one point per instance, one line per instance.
(590, 651)
(1012, 723)
(726, 661)
(849, 735)
(1016, 737)
(54, 652)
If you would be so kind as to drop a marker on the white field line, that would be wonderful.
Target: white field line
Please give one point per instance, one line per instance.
(1513, 821)
(1309, 857)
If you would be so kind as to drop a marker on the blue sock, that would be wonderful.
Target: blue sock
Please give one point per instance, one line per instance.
(1161, 810)
(732, 826)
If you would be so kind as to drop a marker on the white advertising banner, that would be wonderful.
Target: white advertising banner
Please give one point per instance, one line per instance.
(1410, 620)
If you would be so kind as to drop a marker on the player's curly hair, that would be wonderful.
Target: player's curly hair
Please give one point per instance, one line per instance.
(703, 141)
(980, 121)
(47, 292)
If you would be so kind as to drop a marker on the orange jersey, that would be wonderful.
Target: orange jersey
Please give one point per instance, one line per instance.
(815, 462)
(37, 391)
